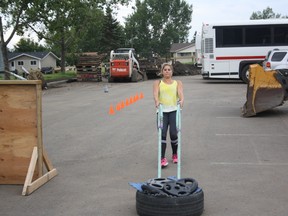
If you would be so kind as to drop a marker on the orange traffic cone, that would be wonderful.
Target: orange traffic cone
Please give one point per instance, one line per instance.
(136, 97)
(122, 105)
(127, 102)
(141, 95)
(118, 107)
(111, 111)
(131, 100)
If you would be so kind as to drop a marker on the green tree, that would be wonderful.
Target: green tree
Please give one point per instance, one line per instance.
(112, 32)
(14, 13)
(103, 34)
(137, 31)
(63, 23)
(90, 39)
(155, 25)
(28, 45)
(265, 14)
(60, 22)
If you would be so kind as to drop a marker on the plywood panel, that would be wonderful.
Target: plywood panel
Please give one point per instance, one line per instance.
(19, 128)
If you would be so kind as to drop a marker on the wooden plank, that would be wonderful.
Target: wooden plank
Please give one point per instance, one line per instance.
(31, 169)
(81, 70)
(52, 172)
(20, 82)
(39, 129)
(40, 181)
(47, 161)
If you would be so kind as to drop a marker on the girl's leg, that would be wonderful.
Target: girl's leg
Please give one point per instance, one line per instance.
(164, 134)
(173, 132)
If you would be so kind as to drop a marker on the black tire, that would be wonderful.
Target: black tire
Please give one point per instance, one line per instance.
(245, 74)
(149, 205)
(110, 79)
(145, 77)
(134, 76)
(284, 72)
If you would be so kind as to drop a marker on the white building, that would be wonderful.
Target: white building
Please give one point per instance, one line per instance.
(183, 52)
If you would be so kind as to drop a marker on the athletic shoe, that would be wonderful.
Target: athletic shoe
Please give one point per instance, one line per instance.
(164, 162)
(175, 158)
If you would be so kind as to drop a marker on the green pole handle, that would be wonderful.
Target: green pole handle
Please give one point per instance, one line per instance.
(178, 125)
(160, 127)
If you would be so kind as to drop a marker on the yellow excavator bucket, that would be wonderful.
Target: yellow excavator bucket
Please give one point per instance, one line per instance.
(265, 90)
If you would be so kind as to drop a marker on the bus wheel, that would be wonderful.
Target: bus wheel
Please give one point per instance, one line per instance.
(245, 74)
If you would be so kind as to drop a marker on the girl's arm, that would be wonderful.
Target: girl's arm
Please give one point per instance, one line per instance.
(156, 93)
(180, 93)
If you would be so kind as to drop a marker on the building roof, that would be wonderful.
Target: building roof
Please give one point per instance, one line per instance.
(36, 55)
(176, 47)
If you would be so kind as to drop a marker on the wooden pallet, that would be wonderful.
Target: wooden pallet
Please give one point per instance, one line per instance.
(89, 76)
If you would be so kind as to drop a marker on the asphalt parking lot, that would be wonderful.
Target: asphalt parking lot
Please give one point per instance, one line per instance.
(241, 163)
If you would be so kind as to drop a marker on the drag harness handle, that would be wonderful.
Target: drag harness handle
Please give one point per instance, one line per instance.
(178, 126)
(160, 127)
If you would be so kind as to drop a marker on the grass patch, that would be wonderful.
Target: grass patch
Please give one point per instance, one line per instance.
(51, 77)
(2, 77)
(188, 63)
(60, 76)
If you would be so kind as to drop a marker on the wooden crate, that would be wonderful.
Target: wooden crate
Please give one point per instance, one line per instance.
(21, 147)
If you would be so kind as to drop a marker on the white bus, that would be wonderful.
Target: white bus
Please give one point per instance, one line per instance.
(229, 48)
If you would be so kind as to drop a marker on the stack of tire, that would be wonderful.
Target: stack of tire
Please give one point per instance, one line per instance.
(162, 196)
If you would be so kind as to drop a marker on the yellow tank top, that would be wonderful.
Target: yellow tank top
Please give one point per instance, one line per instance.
(168, 96)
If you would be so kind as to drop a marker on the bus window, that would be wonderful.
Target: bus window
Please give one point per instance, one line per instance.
(228, 37)
(258, 36)
(280, 35)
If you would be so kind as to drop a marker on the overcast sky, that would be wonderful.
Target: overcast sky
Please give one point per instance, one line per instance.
(208, 11)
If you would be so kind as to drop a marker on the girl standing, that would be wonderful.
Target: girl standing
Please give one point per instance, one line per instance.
(168, 92)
